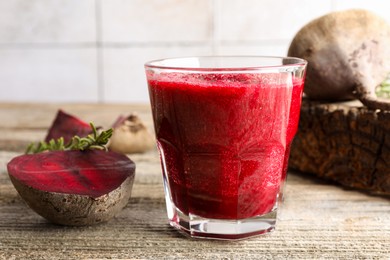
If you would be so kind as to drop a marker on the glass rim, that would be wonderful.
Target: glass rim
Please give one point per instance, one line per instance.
(157, 63)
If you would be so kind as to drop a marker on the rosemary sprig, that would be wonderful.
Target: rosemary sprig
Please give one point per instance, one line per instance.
(92, 141)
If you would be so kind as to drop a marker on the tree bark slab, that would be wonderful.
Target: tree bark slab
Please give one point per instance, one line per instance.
(344, 142)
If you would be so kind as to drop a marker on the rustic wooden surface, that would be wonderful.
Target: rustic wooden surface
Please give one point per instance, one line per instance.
(344, 142)
(319, 220)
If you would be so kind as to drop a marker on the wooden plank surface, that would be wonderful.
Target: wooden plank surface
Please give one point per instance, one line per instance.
(318, 220)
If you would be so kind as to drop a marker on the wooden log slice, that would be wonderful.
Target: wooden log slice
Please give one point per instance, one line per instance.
(344, 142)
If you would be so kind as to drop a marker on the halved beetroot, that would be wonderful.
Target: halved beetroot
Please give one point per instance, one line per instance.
(74, 187)
(67, 126)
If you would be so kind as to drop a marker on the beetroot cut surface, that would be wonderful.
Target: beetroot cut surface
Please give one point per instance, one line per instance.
(67, 126)
(91, 172)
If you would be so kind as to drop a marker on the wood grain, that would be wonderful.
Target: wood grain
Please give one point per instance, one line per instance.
(344, 142)
(318, 220)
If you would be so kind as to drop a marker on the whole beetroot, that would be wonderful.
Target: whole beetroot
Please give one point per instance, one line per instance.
(348, 54)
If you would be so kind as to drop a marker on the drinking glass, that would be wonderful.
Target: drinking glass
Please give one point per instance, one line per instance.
(224, 125)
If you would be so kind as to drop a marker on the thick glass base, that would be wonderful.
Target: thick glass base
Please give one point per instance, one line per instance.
(223, 229)
(198, 227)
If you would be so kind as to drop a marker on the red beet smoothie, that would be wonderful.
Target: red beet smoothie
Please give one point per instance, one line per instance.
(225, 139)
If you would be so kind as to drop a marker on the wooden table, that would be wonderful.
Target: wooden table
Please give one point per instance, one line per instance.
(319, 220)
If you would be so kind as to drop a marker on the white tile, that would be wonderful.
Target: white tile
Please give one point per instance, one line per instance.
(156, 20)
(265, 49)
(124, 75)
(379, 7)
(48, 21)
(48, 75)
(257, 20)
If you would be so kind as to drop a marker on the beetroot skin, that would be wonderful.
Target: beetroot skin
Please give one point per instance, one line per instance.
(67, 126)
(74, 187)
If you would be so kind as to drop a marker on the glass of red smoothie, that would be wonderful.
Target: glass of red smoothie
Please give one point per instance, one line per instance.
(224, 125)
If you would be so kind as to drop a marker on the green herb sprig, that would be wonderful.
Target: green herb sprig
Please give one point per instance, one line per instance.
(92, 141)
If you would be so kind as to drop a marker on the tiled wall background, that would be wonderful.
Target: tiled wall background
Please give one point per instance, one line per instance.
(94, 50)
